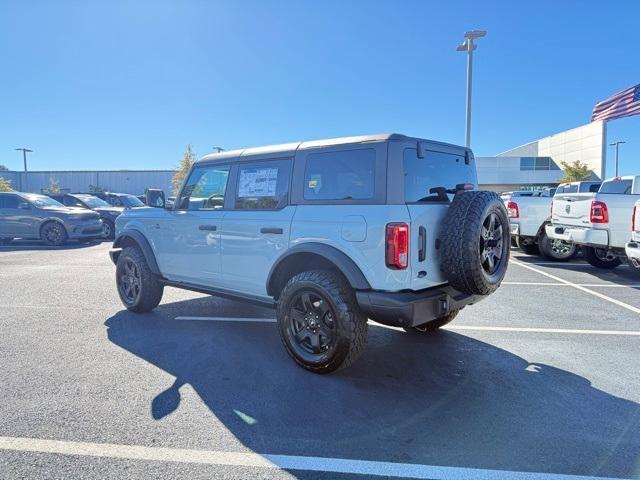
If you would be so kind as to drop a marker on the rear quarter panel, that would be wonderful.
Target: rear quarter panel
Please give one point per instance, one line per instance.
(533, 212)
(620, 208)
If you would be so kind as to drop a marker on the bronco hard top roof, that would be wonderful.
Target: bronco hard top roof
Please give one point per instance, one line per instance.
(291, 148)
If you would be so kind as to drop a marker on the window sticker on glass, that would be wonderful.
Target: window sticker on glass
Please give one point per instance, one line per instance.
(258, 182)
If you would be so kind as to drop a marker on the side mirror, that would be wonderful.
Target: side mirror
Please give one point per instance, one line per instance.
(155, 198)
(24, 206)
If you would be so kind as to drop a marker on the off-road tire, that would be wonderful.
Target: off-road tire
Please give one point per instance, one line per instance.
(594, 259)
(547, 249)
(349, 322)
(461, 246)
(433, 325)
(530, 248)
(151, 289)
(53, 233)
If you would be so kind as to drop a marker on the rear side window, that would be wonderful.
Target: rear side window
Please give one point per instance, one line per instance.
(340, 175)
(263, 186)
(435, 170)
(616, 186)
(594, 187)
(9, 201)
(70, 201)
(205, 188)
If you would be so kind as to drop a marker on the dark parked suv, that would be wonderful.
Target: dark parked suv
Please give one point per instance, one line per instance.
(124, 200)
(107, 212)
(33, 216)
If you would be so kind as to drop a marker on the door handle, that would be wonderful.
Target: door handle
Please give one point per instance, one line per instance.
(422, 244)
(155, 226)
(208, 228)
(271, 230)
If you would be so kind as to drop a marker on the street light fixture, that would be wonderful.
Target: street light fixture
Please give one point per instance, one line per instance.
(616, 144)
(469, 46)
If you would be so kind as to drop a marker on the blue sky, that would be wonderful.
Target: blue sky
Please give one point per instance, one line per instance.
(113, 85)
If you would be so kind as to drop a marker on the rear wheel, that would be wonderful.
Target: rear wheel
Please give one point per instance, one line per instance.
(139, 289)
(556, 250)
(433, 325)
(53, 233)
(528, 246)
(601, 257)
(320, 323)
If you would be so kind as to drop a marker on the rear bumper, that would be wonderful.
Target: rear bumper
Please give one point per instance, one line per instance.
(578, 235)
(408, 309)
(632, 250)
(514, 228)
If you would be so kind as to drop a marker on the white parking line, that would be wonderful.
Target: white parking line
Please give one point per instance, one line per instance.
(273, 462)
(630, 333)
(563, 264)
(230, 319)
(555, 284)
(579, 287)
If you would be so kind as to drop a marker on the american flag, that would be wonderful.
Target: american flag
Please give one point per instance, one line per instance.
(623, 104)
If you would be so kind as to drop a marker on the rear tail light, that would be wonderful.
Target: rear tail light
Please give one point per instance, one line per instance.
(512, 210)
(599, 212)
(633, 219)
(397, 246)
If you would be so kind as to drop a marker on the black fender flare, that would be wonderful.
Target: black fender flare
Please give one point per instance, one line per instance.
(342, 262)
(139, 238)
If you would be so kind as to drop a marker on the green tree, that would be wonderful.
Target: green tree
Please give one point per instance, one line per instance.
(575, 171)
(188, 159)
(5, 185)
(3, 168)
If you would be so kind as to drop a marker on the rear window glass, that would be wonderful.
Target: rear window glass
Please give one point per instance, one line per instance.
(616, 186)
(567, 189)
(594, 187)
(343, 175)
(436, 169)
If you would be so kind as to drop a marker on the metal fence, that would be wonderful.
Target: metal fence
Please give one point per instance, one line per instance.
(121, 181)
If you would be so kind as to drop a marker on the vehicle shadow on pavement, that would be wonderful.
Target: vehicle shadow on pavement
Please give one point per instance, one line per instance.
(27, 245)
(444, 399)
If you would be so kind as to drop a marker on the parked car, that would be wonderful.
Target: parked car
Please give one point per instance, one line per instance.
(33, 216)
(107, 213)
(142, 198)
(632, 248)
(599, 222)
(124, 200)
(529, 215)
(330, 232)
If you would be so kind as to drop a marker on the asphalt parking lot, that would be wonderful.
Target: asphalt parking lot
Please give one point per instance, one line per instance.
(542, 377)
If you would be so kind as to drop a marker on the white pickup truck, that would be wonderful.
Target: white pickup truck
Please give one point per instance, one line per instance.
(632, 249)
(600, 223)
(528, 216)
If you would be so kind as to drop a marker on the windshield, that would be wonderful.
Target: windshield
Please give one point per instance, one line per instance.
(42, 201)
(131, 201)
(91, 201)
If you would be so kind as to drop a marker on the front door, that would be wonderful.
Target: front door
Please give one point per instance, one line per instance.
(15, 221)
(188, 245)
(255, 232)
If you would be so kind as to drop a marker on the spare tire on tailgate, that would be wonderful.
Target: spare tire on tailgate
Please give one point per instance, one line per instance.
(474, 242)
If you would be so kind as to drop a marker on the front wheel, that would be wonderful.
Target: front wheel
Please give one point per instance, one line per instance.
(108, 229)
(53, 233)
(139, 289)
(433, 325)
(601, 257)
(319, 321)
(556, 250)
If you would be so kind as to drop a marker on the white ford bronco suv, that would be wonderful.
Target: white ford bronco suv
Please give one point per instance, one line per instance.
(331, 233)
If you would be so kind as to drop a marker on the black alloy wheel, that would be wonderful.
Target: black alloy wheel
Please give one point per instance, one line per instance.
(311, 327)
(491, 237)
(130, 282)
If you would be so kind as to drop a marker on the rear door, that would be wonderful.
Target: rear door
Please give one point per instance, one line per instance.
(441, 167)
(255, 231)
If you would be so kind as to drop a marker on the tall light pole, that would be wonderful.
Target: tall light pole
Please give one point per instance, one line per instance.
(218, 149)
(469, 46)
(24, 151)
(616, 144)
(24, 155)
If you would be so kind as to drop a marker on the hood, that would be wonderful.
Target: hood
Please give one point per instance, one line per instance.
(112, 210)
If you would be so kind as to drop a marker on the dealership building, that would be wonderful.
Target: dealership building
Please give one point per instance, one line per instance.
(537, 164)
(533, 165)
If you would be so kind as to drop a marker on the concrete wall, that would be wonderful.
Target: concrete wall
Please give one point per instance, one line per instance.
(587, 143)
(121, 181)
